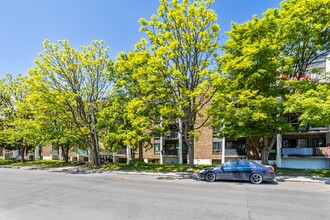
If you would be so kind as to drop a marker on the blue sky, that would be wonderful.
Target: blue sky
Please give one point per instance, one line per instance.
(25, 24)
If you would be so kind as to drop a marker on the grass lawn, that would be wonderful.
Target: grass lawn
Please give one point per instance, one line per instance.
(302, 172)
(144, 167)
(39, 163)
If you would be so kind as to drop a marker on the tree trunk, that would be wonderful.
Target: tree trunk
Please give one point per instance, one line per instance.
(266, 149)
(65, 153)
(92, 142)
(254, 146)
(264, 156)
(95, 141)
(140, 151)
(96, 158)
(22, 151)
(191, 152)
(132, 154)
(66, 158)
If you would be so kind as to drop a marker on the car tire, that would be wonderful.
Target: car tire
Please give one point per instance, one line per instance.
(210, 177)
(256, 178)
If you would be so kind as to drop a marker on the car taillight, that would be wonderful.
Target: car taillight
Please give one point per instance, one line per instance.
(271, 170)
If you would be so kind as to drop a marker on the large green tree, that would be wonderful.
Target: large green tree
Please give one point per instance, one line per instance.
(183, 40)
(312, 105)
(247, 103)
(303, 29)
(19, 125)
(54, 117)
(285, 40)
(82, 77)
(131, 115)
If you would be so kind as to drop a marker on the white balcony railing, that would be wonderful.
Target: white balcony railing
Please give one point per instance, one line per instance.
(121, 151)
(172, 135)
(54, 152)
(297, 151)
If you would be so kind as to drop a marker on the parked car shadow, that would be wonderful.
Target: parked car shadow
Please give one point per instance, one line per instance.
(239, 182)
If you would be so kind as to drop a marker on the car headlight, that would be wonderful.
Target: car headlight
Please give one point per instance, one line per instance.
(202, 171)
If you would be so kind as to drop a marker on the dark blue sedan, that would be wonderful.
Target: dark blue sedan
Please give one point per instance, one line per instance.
(239, 170)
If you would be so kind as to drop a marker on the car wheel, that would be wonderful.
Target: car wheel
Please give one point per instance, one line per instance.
(210, 177)
(256, 178)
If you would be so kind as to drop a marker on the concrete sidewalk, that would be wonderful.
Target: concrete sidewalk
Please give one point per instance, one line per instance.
(179, 175)
(303, 179)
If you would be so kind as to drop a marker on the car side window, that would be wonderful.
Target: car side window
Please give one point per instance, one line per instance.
(244, 164)
(230, 164)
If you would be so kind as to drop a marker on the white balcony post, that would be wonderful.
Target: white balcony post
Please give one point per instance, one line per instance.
(180, 142)
(128, 153)
(60, 157)
(36, 153)
(161, 149)
(161, 144)
(279, 150)
(223, 150)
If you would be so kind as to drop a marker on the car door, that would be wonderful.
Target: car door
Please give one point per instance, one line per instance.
(244, 170)
(228, 171)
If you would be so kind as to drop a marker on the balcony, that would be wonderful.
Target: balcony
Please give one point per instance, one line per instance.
(297, 151)
(231, 152)
(172, 135)
(82, 152)
(320, 78)
(322, 151)
(54, 152)
(121, 152)
(297, 127)
(318, 128)
(307, 152)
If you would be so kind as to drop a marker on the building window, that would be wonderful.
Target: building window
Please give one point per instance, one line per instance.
(184, 147)
(318, 142)
(293, 143)
(236, 147)
(156, 148)
(134, 151)
(171, 149)
(217, 147)
(302, 143)
(285, 143)
(295, 123)
(216, 132)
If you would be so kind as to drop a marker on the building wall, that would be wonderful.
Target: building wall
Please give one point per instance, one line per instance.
(45, 150)
(204, 146)
(150, 154)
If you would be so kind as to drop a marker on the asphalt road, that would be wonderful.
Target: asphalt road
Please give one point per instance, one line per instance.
(44, 195)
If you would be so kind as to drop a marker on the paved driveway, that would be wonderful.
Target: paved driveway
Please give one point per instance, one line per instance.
(44, 195)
